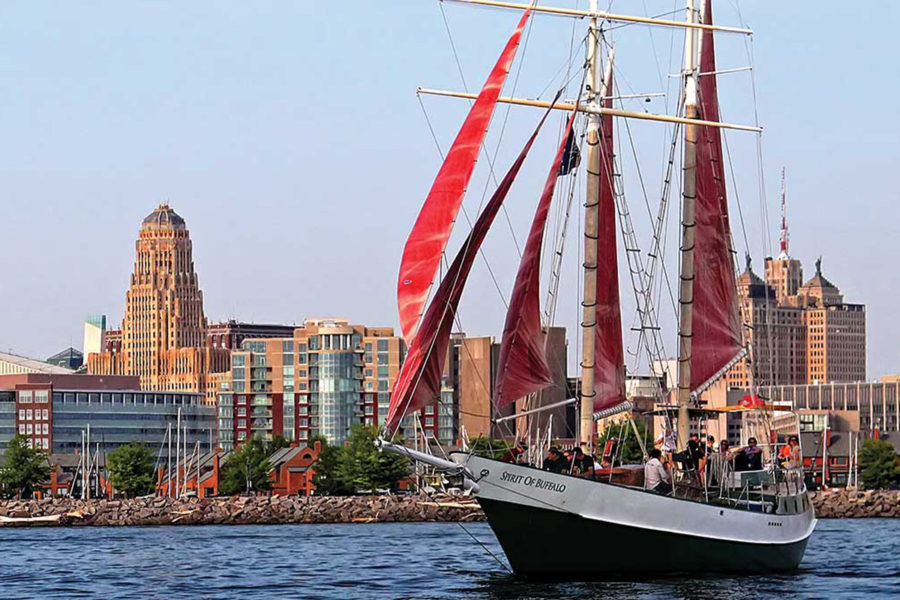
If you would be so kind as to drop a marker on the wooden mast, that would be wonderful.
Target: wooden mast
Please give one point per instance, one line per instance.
(688, 224)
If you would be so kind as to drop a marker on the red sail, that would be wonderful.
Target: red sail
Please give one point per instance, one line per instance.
(609, 356)
(419, 381)
(428, 239)
(716, 326)
(522, 367)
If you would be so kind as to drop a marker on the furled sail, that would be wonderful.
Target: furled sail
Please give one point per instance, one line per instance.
(716, 325)
(419, 381)
(522, 367)
(428, 238)
(609, 355)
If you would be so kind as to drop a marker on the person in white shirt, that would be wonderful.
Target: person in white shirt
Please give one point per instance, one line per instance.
(667, 441)
(656, 478)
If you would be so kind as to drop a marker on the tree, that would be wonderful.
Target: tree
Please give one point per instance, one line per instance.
(247, 468)
(629, 451)
(488, 447)
(25, 468)
(131, 469)
(878, 465)
(365, 468)
(326, 478)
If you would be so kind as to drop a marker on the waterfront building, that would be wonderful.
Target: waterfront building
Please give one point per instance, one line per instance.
(53, 410)
(329, 375)
(164, 332)
(469, 377)
(13, 364)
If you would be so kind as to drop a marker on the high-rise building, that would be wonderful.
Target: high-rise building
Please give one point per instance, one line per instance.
(94, 335)
(797, 334)
(328, 376)
(164, 332)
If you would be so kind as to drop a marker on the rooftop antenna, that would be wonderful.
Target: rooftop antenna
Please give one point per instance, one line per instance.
(784, 226)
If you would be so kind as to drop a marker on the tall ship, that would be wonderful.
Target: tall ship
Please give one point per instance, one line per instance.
(549, 523)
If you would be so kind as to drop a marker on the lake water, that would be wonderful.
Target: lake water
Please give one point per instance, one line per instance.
(845, 559)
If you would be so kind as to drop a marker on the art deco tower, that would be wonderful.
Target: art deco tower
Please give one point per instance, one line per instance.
(164, 329)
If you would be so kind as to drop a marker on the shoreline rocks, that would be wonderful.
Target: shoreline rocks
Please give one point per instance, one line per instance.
(242, 510)
(239, 510)
(850, 504)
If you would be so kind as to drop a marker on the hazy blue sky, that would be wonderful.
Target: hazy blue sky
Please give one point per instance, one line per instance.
(289, 136)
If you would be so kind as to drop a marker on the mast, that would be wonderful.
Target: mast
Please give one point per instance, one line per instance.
(591, 227)
(688, 223)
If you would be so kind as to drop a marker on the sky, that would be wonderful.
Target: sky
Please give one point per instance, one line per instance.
(290, 137)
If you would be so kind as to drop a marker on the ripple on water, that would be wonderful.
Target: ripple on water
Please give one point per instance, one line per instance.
(845, 559)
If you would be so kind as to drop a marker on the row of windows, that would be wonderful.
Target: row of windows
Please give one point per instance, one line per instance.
(37, 428)
(37, 414)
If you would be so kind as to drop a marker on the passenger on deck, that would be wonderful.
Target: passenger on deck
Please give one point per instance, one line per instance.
(696, 455)
(554, 462)
(584, 464)
(609, 452)
(749, 458)
(789, 455)
(568, 461)
(656, 478)
(667, 441)
(514, 454)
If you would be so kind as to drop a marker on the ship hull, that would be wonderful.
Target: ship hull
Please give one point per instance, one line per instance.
(547, 544)
(553, 526)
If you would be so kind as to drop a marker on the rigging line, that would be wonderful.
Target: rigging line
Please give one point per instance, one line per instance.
(486, 549)
(630, 24)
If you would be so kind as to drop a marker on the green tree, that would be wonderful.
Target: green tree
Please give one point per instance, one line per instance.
(24, 468)
(878, 465)
(488, 447)
(131, 469)
(365, 468)
(629, 452)
(247, 468)
(326, 478)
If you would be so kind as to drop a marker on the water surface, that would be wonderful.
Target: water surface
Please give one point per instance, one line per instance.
(857, 558)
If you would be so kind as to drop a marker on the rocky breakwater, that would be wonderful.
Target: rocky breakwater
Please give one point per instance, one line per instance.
(239, 510)
(841, 503)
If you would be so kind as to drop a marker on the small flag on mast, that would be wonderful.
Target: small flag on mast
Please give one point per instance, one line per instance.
(571, 156)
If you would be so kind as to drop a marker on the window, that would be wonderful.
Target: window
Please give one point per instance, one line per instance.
(29, 429)
(45, 443)
(22, 429)
(287, 346)
(239, 360)
(25, 396)
(21, 414)
(46, 414)
(45, 429)
(242, 435)
(28, 415)
(242, 411)
(242, 423)
(41, 396)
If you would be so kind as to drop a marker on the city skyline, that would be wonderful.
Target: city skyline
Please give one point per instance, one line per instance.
(267, 196)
